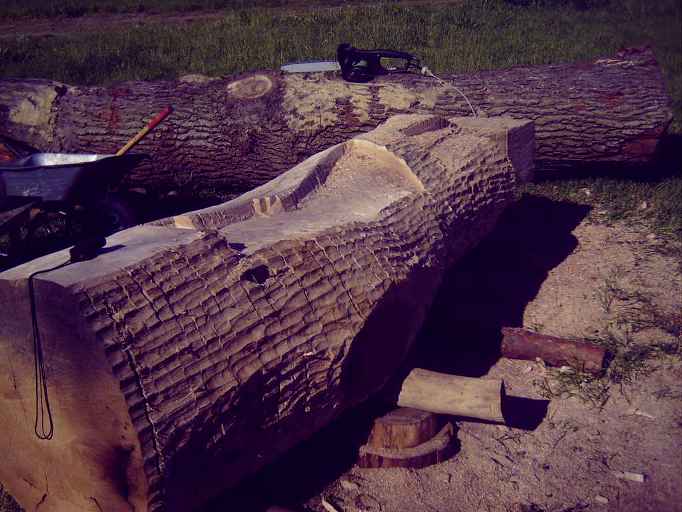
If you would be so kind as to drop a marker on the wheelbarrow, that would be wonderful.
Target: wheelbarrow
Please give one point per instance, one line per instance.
(62, 177)
(78, 186)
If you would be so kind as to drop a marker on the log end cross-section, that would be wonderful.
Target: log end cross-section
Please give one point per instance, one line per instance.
(194, 350)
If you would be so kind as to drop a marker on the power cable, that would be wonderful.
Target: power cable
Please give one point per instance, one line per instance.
(44, 423)
(427, 72)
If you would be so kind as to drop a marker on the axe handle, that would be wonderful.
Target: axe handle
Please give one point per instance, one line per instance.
(144, 131)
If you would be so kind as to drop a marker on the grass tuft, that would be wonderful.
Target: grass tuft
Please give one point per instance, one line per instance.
(627, 361)
(654, 203)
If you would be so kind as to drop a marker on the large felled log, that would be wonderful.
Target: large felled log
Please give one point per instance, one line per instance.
(239, 132)
(193, 351)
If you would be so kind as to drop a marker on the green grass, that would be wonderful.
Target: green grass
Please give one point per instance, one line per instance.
(657, 202)
(75, 8)
(477, 34)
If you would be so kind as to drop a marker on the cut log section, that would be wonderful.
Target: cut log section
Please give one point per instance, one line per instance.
(437, 449)
(404, 428)
(407, 438)
(239, 132)
(451, 394)
(193, 351)
(522, 344)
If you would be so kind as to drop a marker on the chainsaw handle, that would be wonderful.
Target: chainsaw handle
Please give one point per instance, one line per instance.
(364, 65)
(389, 54)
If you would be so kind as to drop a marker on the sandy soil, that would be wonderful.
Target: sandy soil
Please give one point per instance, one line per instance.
(618, 283)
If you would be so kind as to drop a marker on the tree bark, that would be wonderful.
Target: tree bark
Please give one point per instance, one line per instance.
(239, 132)
(192, 351)
(522, 344)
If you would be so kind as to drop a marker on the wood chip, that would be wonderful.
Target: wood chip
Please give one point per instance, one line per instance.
(637, 412)
(601, 500)
(627, 475)
(348, 485)
(329, 507)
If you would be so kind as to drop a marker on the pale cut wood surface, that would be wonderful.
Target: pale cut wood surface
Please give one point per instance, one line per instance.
(403, 428)
(437, 449)
(451, 394)
(195, 350)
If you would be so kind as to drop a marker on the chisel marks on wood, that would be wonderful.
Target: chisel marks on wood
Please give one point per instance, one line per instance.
(259, 329)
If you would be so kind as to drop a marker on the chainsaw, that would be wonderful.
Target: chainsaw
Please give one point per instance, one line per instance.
(363, 65)
(360, 65)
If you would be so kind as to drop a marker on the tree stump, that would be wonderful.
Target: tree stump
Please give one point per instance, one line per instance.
(238, 132)
(407, 438)
(194, 350)
(404, 428)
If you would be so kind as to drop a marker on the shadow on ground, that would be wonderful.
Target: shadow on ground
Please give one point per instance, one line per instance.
(488, 289)
(305, 470)
(492, 285)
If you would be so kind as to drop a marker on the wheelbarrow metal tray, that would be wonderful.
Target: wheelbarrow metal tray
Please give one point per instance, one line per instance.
(62, 176)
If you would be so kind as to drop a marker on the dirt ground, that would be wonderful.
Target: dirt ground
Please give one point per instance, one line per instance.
(619, 285)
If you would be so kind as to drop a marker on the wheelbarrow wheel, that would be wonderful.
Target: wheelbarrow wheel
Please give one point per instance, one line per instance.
(112, 214)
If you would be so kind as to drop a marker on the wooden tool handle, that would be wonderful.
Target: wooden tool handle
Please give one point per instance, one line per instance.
(144, 131)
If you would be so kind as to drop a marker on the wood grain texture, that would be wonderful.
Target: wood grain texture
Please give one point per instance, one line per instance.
(437, 449)
(194, 350)
(403, 428)
(238, 132)
(452, 394)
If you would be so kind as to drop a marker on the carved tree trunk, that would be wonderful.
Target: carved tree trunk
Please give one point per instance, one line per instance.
(238, 132)
(194, 350)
